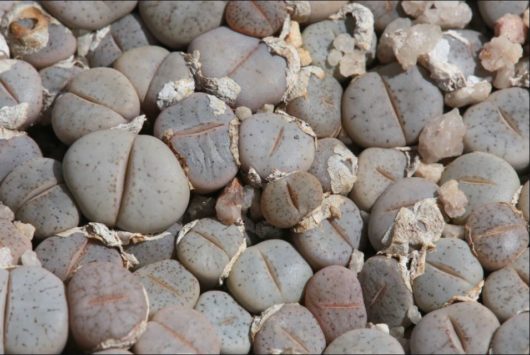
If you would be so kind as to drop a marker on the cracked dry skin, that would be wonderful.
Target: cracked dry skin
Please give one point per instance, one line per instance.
(168, 283)
(124, 180)
(403, 193)
(198, 132)
(208, 248)
(64, 255)
(95, 99)
(178, 330)
(292, 329)
(108, 306)
(34, 310)
(334, 296)
(334, 239)
(461, 328)
(365, 341)
(268, 273)
(260, 74)
(267, 142)
(149, 68)
(497, 234)
(231, 321)
(450, 270)
(387, 297)
(286, 201)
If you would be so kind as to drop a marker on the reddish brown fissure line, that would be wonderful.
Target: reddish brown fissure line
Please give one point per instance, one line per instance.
(199, 129)
(475, 180)
(294, 339)
(244, 59)
(342, 234)
(446, 270)
(498, 230)
(36, 193)
(378, 295)
(340, 306)
(107, 299)
(270, 271)
(459, 334)
(179, 337)
(76, 257)
(292, 195)
(164, 284)
(9, 92)
(395, 109)
(212, 241)
(277, 141)
(260, 10)
(385, 173)
(509, 121)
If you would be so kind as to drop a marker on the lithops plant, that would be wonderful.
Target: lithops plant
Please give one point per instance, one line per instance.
(291, 328)
(377, 169)
(36, 37)
(168, 283)
(384, 12)
(491, 11)
(388, 298)
(197, 129)
(497, 234)
(402, 193)
(98, 294)
(121, 179)
(461, 328)
(16, 148)
(20, 94)
(451, 270)
(256, 18)
(268, 273)
(334, 239)
(88, 15)
(260, 74)
(178, 330)
(36, 192)
(365, 341)
(177, 23)
(150, 69)
(95, 99)
(14, 236)
(320, 107)
(505, 291)
(208, 248)
(394, 112)
(335, 298)
(63, 255)
(483, 177)
(512, 336)
(231, 321)
(284, 202)
(268, 142)
(126, 33)
(500, 126)
(34, 310)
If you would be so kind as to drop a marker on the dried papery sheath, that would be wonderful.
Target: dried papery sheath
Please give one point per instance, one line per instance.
(174, 91)
(363, 31)
(224, 88)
